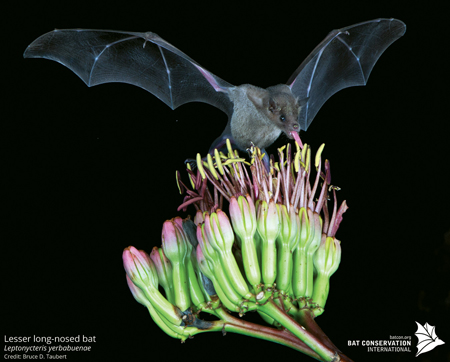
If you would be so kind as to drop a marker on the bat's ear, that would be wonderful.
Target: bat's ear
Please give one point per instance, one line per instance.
(259, 97)
(273, 106)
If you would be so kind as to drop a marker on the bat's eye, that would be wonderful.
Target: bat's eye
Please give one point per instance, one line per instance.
(282, 118)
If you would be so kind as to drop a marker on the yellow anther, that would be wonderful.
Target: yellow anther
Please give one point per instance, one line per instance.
(218, 161)
(211, 166)
(178, 182)
(230, 149)
(297, 147)
(234, 160)
(297, 159)
(308, 158)
(305, 147)
(200, 166)
(318, 154)
(190, 177)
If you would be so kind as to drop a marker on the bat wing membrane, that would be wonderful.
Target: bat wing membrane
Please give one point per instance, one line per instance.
(343, 59)
(141, 59)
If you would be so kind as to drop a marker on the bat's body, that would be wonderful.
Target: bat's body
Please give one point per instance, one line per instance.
(255, 115)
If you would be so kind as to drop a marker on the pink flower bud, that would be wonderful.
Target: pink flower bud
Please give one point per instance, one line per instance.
(207, 249)
(163, 269)
(174, 241)
(267, 220)
(137, 292)
(243, 216)
(198, 218)
(219, 231)
(139, 268)
(203, 263)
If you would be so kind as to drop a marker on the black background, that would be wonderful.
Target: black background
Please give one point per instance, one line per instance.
(92, 170)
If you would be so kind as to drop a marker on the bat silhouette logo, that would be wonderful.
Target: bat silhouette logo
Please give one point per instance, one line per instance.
(427, 338)
(257, 116)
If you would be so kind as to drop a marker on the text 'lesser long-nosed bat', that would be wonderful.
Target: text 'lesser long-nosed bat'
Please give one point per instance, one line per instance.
(256, 116)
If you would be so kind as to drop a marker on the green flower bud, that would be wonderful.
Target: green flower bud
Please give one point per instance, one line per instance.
(268, 224)
(138, 294)
(328, 255)
(219, 231)
(139, 268)
(326, 262)
(174, 242)
(164, 270)
(175, 246)
(243, 218)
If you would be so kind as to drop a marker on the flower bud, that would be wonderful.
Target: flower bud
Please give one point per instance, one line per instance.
(138, 294)
(268, 225)
(328, 255)
(198, 218)
(219, 231)
(268, 222)
(203, 263)
(164, 271)
(288, 226)
(203, 242)
(139, 268)
(174, 241)
(243, 216)
(176, 248)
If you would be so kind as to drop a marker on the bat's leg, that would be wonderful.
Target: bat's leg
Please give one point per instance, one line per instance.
(221, 144)
(266, 160)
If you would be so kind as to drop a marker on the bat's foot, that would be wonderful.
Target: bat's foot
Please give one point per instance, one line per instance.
(192, 162)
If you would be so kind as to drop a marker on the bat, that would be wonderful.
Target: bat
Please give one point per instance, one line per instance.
(256, 116)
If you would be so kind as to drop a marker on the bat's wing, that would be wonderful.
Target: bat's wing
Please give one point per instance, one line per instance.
(141, 59)
(343, 59)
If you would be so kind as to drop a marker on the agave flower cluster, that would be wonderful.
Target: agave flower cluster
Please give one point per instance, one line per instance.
(274, 252)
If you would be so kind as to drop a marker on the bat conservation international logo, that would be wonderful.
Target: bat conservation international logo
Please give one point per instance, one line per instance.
(427, 338)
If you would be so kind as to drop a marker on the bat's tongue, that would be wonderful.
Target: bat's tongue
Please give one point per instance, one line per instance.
(297, 138)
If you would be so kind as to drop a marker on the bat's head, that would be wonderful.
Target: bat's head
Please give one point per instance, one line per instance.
(283, 109)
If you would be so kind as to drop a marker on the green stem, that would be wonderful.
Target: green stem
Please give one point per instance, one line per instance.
(321, 289)
(225, 284)
(165, 326)
(181, 286)
(233, 274)
(306, 318)
(195, 291)
(162, 305)
(224, 297)
(269, 261)
(283, 337)
(271, 309)
(251, 264)
(299, 273)
(309, 277)
(284, 266)
(277, 338)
